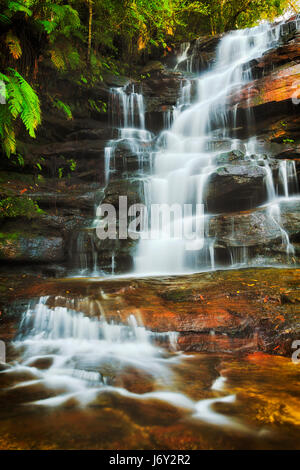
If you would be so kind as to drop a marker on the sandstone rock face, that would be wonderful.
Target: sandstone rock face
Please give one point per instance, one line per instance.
(290, 218)
(279, 86)
(235, 187)
(235, 311)
(37, 249)
(273, 96)
(249, 228)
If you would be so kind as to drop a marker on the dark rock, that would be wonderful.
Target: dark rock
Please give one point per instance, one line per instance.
(50, 199)
(71, 149)
(289, 154)
(152, 66)
(253, 228)
(102, 133)
(35, 249)
(114, 80)
(235, 187)
(201, 54)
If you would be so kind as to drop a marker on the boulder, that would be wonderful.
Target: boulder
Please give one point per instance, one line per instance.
(235, 187)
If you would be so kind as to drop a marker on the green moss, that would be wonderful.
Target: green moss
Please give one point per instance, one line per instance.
(9, 236)
(19, 207)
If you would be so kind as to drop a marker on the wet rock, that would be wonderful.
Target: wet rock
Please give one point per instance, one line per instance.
(235, 187)
(152, 66)
(45, 199)
(102, 133)
(201, 54)
(37, 249)
(248, 229)
(290, 218)
(272, 95)
(71, 149)
(216, 343)
(232, 157)
(278, 87)
(286, 53)
(132, 188)
(289, 153)
(114, 80)
(160, 91)
(229, 311)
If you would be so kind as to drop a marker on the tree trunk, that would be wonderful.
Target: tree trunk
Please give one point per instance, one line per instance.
(90, 6)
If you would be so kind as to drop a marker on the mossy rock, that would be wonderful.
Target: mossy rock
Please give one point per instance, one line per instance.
(14, 206)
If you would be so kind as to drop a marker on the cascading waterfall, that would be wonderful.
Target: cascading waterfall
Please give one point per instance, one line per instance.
(81, 354)
(288, 177)
(178, 165)
(128, 118)
(69, 359)
(186, 158)
(133, 141)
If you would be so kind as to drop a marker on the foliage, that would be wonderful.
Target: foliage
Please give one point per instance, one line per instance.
(235, 14)
(19, 207)
(90, 37)
(21, 102)
(58, 104)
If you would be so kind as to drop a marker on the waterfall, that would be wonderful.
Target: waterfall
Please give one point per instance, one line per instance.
(288, 177)
(107, 159)
(132, 142)
(128, 107)
(80, 354)
(69, 360)
(128, 119)
(182, 53)
(187, 155)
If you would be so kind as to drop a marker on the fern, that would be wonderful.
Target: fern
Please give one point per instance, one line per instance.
(58, 58)
(22, 102)
(64, 56)
(14, 45)
(18, 6)
(63, 107)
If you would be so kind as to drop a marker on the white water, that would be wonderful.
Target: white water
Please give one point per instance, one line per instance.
(128, 119)
(68, 355)
(186, 154)
(176, 167)
(84, 352)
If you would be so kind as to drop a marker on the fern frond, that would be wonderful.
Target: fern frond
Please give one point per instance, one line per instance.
(48, 26)
(9, 142)
(23, 102)
(17, 6)
(14, 45)
(74, 59)
(57, 59)
(63, 107)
